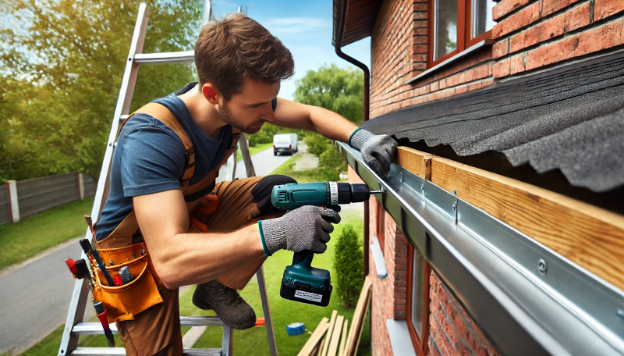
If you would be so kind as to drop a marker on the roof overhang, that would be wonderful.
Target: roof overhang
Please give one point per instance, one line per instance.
(356, 23)
(493, 271)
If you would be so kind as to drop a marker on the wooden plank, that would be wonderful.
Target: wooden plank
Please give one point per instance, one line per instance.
(335, 338)
(312, 344)
(357, 316)
(361, 328)
(412, 160)
(343, 338)
(332, 322)
(587, 235)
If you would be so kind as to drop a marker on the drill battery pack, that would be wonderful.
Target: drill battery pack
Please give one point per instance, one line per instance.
(305, 293)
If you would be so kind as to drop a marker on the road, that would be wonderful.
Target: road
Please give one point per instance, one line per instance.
(264, 163)
(34, 296)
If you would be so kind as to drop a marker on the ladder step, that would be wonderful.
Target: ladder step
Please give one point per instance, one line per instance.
(165, 57)
(96, 328)
(104, 351)
(123, 117)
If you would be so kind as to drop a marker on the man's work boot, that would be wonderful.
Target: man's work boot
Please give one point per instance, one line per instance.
(227, 303)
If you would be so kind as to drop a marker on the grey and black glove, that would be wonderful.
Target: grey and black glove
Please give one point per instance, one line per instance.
(377, 150)
(301, 229)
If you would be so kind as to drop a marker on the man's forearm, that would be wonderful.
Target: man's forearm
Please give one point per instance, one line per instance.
(331, 124)
(193, 258)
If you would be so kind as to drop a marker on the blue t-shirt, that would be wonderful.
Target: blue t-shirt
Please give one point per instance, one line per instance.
(149, 158)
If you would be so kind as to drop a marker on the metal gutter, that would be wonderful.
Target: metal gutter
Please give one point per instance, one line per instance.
(526, 298)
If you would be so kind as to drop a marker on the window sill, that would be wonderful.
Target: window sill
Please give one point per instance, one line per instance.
(380, 262)
(468, 51)
(400, 339)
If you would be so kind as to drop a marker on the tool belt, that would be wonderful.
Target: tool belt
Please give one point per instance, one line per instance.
(124, 302)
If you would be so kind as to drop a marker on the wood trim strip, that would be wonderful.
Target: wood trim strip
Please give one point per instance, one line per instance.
(587, 235)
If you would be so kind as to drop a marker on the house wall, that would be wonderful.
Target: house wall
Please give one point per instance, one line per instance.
(530, 35)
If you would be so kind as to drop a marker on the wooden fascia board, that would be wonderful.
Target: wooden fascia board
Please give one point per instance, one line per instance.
(589, 236)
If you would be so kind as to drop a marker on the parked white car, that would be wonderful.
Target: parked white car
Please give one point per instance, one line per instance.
(285, 143)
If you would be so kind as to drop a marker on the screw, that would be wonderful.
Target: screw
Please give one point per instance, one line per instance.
(541, 266)
(110, 144)
(142, 252)
(422, 187)
(620, 313)
(454, 207)
(111, 262)
(454, 192)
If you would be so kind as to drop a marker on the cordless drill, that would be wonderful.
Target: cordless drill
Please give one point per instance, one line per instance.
(302, 282)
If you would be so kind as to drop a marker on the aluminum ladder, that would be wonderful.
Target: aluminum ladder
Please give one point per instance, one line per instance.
(74, 326)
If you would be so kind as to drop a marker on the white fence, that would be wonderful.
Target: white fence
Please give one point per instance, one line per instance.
(27, 197)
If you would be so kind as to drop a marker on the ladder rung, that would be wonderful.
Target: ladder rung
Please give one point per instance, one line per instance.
(165, 57)
(92, 329)
(96, 328)
(200, 321)
(104, 351)
(123, 117)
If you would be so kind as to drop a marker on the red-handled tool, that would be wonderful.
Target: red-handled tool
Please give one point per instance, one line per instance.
(72, 267)
(117, 280)
(101, 314)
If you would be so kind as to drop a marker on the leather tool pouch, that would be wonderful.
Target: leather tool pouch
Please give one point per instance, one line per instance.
(124, 302)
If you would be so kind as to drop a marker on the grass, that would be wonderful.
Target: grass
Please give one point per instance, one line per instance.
(37, 233)
(253, 150)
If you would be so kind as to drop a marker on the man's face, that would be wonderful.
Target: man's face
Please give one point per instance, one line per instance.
(251, 108)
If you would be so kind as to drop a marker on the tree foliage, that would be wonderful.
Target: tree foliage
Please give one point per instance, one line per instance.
(339, 90)
(61, 65)
(349, 266)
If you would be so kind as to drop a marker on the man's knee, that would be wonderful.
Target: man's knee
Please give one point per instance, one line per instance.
(262, 191)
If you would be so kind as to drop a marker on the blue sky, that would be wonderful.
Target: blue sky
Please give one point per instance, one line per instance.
(305, 27)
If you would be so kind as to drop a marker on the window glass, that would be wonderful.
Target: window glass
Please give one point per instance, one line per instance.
(482, 16)
(417, 291)
(444, 27)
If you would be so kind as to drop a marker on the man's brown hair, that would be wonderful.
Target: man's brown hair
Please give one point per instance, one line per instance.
(237, 47)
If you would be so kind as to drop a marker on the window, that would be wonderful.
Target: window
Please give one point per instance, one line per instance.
(381, 226)
(418, 299)
(456, 25)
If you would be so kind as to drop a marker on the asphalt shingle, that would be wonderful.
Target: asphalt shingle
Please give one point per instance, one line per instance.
(570, 118)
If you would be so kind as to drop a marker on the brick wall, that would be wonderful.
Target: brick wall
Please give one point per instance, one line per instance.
(532, 35)
(399, 51)
(451, 330)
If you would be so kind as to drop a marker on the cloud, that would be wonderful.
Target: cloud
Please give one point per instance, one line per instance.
(291, 25)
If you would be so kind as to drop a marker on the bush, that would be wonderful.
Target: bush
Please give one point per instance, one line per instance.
(349, 266)
(331, 163)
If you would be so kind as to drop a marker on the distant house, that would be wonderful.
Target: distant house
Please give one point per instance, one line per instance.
(502, 230)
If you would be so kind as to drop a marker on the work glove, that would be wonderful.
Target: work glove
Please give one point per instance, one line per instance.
(301, 229)
(377, 150)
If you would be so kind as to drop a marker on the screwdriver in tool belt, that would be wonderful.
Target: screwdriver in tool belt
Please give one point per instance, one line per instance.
(88, 249)
(101, 314)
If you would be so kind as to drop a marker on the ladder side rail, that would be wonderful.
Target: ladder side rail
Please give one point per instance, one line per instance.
(78, 303)
(232, 162)
(244, 146)
(226, 341)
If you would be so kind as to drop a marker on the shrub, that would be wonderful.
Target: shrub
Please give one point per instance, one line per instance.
(349, 266)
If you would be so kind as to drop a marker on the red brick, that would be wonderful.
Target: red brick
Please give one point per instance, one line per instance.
(552, 6)
(577, 17)
(506, 6)
(516, 21)
(500, 48)
(551, 28)
(605, 8)
(517, 64)
(502, 68)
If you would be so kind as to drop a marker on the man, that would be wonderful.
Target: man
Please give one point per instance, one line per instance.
(163, 192)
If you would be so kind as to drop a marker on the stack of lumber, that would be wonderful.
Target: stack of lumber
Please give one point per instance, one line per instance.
(331, 337)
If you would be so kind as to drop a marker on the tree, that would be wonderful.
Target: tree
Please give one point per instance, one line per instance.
(61, 65)
(349, 266)
(339, 90)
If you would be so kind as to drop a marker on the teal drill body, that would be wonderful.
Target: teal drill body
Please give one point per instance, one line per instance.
(302, 282)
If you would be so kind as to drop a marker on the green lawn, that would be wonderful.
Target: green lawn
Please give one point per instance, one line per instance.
(253, 150)
(39, 232)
